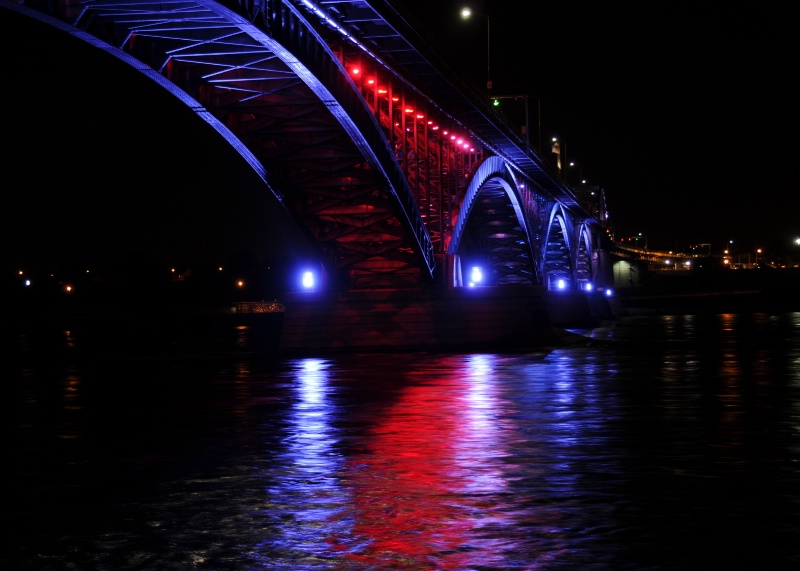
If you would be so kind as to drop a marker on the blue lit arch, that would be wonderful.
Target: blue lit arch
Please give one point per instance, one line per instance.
(557, 258)
(491, 228)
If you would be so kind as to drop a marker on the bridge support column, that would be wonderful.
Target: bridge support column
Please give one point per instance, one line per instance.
(604, 270)
(448, 271)
(480, 318)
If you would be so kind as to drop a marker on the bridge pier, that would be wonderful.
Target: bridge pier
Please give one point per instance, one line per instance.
(480, 318)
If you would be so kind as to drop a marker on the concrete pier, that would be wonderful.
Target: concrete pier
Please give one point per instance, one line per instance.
(483, 318)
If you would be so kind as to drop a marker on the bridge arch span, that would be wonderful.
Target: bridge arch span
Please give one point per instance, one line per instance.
(491, 228)
(384, 160)
(557, 259)
(571, 252)
(285, 103)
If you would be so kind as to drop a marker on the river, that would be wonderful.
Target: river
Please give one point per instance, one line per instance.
(663, 442)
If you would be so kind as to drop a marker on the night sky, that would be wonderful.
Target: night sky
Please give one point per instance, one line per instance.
(101, 164)
(684, 112)
(685, 115)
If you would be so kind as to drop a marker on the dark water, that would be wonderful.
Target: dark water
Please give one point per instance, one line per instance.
(667, 443)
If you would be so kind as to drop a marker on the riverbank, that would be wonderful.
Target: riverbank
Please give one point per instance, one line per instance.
(502, 319)
(734, 291)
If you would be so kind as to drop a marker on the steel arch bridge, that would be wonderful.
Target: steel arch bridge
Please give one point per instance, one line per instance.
(389, 162)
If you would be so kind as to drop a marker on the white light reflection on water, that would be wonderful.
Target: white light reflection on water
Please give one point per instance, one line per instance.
(471, 465)
(674, 447)
(307, 498)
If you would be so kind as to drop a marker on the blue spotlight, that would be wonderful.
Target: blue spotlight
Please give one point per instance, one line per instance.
(476, 277)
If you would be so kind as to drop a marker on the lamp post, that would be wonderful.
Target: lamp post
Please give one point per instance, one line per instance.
(466, 13)
(539, 123)
(527, 129)
(794, 261)
(580, 170)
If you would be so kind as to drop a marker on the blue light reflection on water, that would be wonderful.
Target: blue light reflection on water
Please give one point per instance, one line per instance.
(672, 444)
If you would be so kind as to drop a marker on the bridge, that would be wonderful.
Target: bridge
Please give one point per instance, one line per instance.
(395, 168)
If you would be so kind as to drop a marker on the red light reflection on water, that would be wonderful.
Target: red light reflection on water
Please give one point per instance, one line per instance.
(428, 490)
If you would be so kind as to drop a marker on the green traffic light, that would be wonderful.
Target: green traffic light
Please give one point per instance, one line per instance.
(496, 102)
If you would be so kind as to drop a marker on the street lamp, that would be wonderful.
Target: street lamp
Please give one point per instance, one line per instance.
(538, 121)
(580, 171)
(792, 260)
(466, 13)
(496, 98)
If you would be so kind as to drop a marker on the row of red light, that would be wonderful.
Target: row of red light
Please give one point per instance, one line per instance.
(460, 142)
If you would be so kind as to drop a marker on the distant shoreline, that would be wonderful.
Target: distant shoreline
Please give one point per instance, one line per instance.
(658, 292)
(714, 291)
